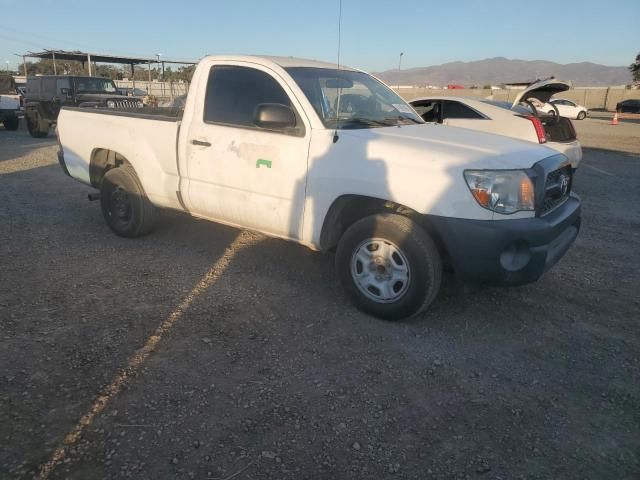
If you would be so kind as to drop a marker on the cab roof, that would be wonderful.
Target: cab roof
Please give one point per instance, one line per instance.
(284, 62)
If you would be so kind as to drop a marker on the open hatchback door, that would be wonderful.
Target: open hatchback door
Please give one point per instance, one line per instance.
(542, 90)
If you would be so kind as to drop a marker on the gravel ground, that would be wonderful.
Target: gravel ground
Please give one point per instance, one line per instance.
(201, 351)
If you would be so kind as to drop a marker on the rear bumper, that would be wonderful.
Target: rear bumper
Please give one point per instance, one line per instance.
(10, 113)
(512, 252)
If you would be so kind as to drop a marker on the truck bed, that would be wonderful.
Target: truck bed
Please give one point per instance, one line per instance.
(165, 114)
(146, 138)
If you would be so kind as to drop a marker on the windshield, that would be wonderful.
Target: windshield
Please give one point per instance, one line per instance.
(364, 101)
(7, 85)
(94, 85)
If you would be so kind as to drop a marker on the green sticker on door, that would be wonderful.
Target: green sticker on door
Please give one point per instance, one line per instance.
(262, 161)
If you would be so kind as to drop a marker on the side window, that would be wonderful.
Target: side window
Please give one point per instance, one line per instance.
(457, 110)
(429, 110)
(233, 93)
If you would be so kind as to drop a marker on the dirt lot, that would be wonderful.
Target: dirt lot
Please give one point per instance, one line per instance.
(203, 352)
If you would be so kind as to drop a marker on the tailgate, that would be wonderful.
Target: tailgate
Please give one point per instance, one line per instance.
(9, 102)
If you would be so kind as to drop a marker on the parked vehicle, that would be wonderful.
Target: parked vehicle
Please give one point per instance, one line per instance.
(519, 119)
(47, 94)
(565, 108)
(631, 105)
(10, 103)
(333, 159)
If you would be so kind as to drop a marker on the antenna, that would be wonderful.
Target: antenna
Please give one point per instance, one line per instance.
(338, 89)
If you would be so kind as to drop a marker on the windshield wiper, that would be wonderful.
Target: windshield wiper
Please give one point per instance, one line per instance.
(401, 118)
(367, 122)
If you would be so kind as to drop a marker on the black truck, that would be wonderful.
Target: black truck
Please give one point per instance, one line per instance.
(47, 94)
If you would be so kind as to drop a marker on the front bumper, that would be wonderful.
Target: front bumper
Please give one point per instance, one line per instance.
(511, 252)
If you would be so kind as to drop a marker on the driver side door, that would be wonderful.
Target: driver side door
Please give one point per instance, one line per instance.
(237, 172)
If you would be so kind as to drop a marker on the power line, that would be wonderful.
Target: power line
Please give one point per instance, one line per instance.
(42, 37)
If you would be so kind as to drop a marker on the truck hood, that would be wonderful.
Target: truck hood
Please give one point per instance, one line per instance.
(459, 147)
(542, 90)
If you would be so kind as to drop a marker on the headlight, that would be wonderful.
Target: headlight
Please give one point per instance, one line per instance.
(502, 191)
(111, 104)
(140, 104)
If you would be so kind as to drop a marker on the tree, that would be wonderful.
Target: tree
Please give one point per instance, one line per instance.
(634, 68)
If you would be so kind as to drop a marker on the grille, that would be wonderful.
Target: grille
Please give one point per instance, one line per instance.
(126, 103)
(556, 189)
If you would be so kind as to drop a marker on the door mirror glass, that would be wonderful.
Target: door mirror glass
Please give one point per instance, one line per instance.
(274, 116)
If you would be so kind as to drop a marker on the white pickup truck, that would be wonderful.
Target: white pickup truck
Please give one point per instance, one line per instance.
(10, 103)
(333, 159)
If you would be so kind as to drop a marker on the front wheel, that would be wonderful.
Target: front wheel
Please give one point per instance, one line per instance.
(125, 206)
(389, 266)
(582, 115)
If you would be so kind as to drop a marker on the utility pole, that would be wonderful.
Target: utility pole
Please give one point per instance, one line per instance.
(7, 62)
(24, 64)
(399, 68)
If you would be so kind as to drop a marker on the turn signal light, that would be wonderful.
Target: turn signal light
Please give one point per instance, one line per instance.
(527, 196)
(482, 196)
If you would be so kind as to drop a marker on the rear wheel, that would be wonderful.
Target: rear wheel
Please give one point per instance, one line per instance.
(37, 126)
(11, 123)
(582, 115)
(389, 266)
(125, 206)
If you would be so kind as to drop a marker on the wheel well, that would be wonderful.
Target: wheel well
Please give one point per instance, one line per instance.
(348, 209)
(103, 160)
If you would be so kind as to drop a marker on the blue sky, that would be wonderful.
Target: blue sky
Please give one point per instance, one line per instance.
(374, 32)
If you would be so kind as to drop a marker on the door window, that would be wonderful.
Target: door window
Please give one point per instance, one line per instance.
(453, 109)
(429, 110)
(233, 93)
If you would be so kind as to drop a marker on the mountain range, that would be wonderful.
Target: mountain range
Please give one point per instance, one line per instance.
(495, 71)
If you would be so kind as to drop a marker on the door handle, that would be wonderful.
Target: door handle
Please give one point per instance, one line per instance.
(200, 143)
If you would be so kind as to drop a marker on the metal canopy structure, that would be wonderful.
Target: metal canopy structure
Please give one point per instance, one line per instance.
(100, 57)
(88, 58)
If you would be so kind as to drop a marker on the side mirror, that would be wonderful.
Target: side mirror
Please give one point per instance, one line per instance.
(274, 116)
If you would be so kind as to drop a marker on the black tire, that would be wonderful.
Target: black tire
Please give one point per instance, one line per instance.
(422, 257)
(11, 123)
(125, 206)
(37, 127)
(582, 115)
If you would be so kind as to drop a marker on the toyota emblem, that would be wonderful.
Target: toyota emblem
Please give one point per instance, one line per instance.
(564, 184)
